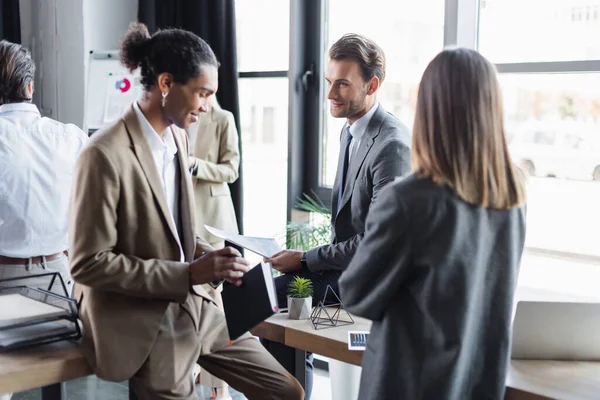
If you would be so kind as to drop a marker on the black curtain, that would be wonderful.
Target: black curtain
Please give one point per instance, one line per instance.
(10, 23)
(213, 21)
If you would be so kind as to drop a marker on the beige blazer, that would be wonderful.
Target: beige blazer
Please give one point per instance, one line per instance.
(124, 253)
(215, 147)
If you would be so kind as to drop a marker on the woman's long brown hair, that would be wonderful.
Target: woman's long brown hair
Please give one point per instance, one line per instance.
(458, 135)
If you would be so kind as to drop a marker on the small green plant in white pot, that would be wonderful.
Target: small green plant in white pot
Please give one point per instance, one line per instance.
(300, 292)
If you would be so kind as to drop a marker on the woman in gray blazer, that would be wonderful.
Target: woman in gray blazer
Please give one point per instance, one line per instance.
(437, 268)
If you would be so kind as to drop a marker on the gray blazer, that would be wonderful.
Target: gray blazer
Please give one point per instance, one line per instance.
(383, 155)
(436, 275)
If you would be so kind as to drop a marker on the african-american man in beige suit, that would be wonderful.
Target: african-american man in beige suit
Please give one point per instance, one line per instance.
(133, 248)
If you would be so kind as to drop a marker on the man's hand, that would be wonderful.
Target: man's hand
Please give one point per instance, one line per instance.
(217, 265)
(286, 261)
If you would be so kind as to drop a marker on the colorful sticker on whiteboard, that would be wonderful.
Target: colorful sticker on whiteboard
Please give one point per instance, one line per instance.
(123, 85)
(121, 92)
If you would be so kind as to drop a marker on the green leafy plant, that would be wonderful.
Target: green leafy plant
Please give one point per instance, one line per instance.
(300, 288)
(307, 235)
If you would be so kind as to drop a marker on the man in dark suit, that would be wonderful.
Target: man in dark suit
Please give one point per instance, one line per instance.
(374, 149)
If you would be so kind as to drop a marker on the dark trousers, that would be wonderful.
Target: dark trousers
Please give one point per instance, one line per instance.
(284, 354)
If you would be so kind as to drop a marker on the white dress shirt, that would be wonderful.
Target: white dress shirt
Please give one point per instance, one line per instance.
(358, 129)
(164, 152)
(37, 161)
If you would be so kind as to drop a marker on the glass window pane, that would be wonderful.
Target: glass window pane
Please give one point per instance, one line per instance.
(539, 30)
(410, 33)
(264, 127)
(263, 35)
(553, 125)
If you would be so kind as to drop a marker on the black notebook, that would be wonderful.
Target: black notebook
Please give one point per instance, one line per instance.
(251, 303)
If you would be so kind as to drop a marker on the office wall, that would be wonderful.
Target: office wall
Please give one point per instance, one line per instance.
(105, 21)
(60, 34)
(70, 73)
(28, 14)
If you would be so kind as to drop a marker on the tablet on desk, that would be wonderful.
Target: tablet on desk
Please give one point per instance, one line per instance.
(357, 340)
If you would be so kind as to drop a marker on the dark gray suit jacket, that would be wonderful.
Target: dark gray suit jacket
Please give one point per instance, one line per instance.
(437, 277)
(383, 155)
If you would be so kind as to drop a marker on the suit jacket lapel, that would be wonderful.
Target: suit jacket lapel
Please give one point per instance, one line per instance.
(142, 151)
(360, 154)
(186, 199)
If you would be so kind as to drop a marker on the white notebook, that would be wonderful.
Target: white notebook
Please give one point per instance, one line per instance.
(16, 308)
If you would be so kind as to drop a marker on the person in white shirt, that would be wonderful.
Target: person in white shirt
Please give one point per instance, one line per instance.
(37, 161)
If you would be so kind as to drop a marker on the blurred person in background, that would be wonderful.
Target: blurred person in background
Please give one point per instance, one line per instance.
(214, 163)
(37, 161)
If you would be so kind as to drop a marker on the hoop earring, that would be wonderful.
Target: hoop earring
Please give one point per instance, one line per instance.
(164, 99)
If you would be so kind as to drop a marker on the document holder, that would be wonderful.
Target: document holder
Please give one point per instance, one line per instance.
(33, 316)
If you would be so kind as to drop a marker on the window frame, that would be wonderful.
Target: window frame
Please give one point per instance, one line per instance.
(463, 30)
(307, 115)
(308, 28)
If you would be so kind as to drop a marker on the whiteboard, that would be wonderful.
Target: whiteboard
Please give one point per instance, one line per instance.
(110, 90)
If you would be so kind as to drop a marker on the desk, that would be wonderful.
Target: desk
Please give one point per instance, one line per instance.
(568, 380)
(47, 366)
(300, 334)
(526, 380)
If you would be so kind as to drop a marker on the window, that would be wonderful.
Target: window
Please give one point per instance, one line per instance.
(573, 143)
(543, 138)
(549, 71)
(538, 30)
(410, 33)
(263, 94)
(263, 38)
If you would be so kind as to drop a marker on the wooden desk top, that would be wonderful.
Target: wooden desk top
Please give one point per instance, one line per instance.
(527, 379)
(568, 380)
(41, 366)
(300, 334)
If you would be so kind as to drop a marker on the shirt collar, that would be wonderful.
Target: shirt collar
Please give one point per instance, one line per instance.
(359, 127)
(19, 107)
(154, 140)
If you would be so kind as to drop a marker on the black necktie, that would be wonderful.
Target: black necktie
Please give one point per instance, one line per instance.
(344, 167)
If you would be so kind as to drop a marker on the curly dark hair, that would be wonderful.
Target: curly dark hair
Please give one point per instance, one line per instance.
(17, 70)
(176, 51)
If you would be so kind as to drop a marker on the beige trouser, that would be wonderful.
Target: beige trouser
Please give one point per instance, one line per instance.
(60, 265)
(245, 364)
(206, 378)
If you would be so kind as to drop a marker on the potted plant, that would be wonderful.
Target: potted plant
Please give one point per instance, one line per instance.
(314, 232)
(299, 297)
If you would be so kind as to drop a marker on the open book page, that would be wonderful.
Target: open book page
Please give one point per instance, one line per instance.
(16, 308)
(270, 284)
(266, 247)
